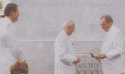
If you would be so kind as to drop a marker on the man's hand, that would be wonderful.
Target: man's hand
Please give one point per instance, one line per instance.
(98, 58)
(101, 56)
(78, 60)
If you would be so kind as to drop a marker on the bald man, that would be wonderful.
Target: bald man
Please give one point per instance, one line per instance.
(65, 54)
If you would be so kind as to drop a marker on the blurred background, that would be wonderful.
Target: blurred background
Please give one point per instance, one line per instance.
(40, 22)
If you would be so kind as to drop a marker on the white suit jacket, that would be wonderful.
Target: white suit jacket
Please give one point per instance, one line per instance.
(10, 49)
(113, 47)
(65, 55)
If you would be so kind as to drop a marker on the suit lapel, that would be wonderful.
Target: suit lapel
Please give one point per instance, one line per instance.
(72, 47)
(108, 39)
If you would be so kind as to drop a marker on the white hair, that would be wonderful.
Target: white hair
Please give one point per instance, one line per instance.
(67, 23)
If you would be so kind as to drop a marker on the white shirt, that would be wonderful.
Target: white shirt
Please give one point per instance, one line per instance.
(10, 49)
(113, 47)
(65, 55)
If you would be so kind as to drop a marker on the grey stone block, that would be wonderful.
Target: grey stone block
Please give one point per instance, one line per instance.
(88, 65)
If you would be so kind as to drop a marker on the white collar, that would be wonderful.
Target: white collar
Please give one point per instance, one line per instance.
(64, 32)
(8, 20)
(110, 29)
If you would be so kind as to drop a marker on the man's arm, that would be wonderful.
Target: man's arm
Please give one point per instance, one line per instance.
(64, 57)
(118, 44)
(12, 43)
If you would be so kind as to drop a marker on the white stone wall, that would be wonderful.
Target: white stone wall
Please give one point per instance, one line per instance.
(40, 56)
(42, 19)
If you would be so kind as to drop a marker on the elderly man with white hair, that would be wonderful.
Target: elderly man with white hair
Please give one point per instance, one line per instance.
(65, 54)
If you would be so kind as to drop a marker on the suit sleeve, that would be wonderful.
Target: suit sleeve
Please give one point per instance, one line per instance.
(64, 57)
(12, 43)
(118, 44)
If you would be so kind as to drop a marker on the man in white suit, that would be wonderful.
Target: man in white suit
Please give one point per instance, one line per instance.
(65, 54)
(112, 52)
(10, 49)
